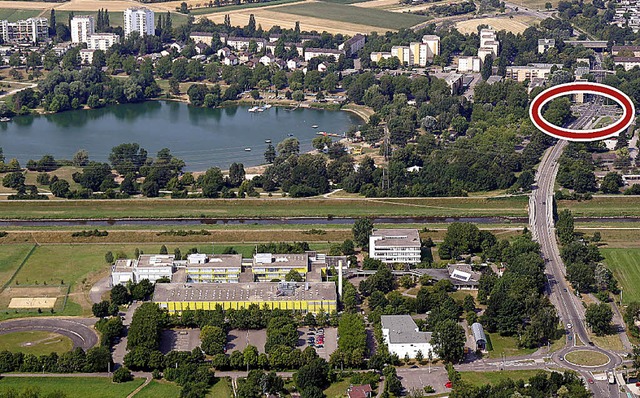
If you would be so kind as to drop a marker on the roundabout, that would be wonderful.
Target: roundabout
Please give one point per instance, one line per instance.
(587, 358)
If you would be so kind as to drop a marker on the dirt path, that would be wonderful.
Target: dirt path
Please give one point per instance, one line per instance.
(137, 390)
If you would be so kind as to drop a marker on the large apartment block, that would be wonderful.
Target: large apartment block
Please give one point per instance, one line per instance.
(415, 54)
(489, 44)
(139, 20)
(267, 267)
(213, 268)
(82, 26)
(29, 30)
(531, 71)
(395, 246)
(102, 41)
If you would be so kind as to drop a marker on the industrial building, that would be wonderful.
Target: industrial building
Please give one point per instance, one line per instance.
(403, 338)
(213, 268)
(305, 297)
(395, 246)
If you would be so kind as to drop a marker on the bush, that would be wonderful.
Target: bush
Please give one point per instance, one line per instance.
(122, 375)
(94, 232)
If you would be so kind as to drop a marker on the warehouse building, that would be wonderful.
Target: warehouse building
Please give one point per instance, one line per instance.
(303, 297)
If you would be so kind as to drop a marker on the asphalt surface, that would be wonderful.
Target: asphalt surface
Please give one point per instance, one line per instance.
(79, 330)
(569, 308)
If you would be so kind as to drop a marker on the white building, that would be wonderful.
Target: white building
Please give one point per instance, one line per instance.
(102, 41)
(213, 268)
(433, 42)
(469, 64)
(202, 37)
(627, 62)
(139, 20)
(395, 246)
(86, 56)
(489, 44)
(403, 53)
(402, 336)
(82, 27)
(353, 45)
(27, 30)
(316, 52)
(376, 56)
(147, 266)
(240, 43)
(545, 44)
(530, 71)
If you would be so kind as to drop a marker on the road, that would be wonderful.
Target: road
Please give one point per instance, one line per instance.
(569, 307)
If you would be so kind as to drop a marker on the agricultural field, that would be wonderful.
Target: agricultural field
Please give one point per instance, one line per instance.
(11, 256)
(208, 10)
(86, 387)
(196, 208)
(351, 14)
(517, 24)
(15, 14)
(35, 342)
(618, 206)
(625, 265)
(116, 18)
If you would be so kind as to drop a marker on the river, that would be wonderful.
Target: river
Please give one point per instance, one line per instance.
(201, 137)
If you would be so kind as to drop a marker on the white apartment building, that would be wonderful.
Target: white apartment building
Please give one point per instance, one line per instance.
(403, 53)
(545, 44)
(627, 62)
(353, 45)
(139, 20)
(82, 27)
(376, 56)
(489, 44)
(147, 266)
(316, 52)
(403, 338)
(86, 56)
(395, 246)
(102, 41)
(433, 43)
(27, 30)
(469, 64)
(531, 71)
(240, 43)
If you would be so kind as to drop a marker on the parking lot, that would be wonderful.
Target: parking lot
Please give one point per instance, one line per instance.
(330, 341)
(417, 379)
(179, 340)
(240, 339)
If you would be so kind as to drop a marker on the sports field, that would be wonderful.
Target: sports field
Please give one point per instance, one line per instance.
(35, 342)
(625, 265)
(86, 387)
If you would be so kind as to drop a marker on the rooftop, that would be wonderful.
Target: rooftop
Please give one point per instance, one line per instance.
(403, 329)
(397, 237)
(289, 260)
(216, 260)
(323, 50)
(156, 260)
(254, 291)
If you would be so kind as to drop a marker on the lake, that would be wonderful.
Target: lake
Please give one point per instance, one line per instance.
(202, 137)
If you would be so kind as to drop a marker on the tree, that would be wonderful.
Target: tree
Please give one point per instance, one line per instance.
(270, 154)
(564, 227)
(460, 238)
(293, 276)
(214, 340)
(13, 180)
(108, 257)
(298, 95)
(611, 183)
(313, 374)
(101, 309)
(288, 147)
(487, 67)
(81, 158)
(362, 229)
(236, 174)
(599, 316)
(120, 295)
(122, 375)
(448, 341)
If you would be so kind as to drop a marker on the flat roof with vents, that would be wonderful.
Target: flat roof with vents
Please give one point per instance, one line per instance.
(396, 237)
(254, 291)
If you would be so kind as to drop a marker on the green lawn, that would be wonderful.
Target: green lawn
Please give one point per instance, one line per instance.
(601, 207)
(506, 345)
(10, 258)
(586, 358)
(338, 390)
(85, 387)
(12, 14)
(356, 15)
(481, 378)
(35, 342)
(222, 389)
(219, 208)
(211, 10)
(625, 265)
(159, 389)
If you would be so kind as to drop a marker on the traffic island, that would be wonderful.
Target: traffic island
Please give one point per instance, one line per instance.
(587, 358)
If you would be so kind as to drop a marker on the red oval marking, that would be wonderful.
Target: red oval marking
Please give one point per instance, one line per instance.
(628, 111)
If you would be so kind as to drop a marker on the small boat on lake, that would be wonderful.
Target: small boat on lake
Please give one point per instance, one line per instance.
(5, 119)
(253, 109)
(315, 126)
(290, 135)
(267, 106)
(267, 141)
(247, 149)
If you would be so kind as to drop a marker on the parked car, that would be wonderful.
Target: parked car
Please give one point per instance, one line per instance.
(448, 384)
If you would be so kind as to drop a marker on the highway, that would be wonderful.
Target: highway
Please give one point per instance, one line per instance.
(569, 307)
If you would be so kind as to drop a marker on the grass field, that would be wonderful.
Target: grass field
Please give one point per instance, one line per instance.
(482, 378)
(617, 206)
(338, 389)
(10, 258)
(625, 265)
(350, 14)
(515, 25)
(159, 389)
(116, 18)
(209, 10)
(12, 14)
(222, 389)
(35, 342)
(507, 345)
(586, 358)
(218, 208)
(86, 387)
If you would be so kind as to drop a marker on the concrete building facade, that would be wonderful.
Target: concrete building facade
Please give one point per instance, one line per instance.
(395, 246)
(403, 338)
(102, 41)
(82, 27)
(28, 30)
(267, 267)
(139, 20)
(213, 268)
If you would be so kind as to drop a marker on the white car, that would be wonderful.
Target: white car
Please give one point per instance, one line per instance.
(569, 326)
